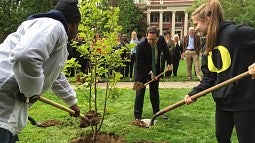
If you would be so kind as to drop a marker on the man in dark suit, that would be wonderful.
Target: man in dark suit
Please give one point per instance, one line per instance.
(147, 66)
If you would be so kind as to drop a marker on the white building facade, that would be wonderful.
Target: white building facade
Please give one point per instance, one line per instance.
(167, 15)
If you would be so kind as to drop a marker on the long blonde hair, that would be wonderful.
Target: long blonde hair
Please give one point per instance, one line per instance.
(213, 10)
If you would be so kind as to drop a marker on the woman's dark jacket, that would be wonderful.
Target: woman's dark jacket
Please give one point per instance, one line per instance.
(234, 53)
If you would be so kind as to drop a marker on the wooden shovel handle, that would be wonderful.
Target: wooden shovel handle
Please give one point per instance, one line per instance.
(155, 77)
(202, 93)
(59, 106)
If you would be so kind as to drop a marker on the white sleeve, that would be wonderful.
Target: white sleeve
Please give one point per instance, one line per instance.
(36, 42)
(63, 90)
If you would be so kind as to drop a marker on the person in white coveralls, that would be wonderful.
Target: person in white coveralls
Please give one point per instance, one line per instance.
(31, 61)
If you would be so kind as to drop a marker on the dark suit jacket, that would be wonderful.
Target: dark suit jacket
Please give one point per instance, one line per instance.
(178, 49)
(197, 43)
(144, 58)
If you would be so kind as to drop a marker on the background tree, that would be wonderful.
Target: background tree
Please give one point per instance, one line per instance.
(239, 11)
(13, 12)
(130, 17)
(104, 58)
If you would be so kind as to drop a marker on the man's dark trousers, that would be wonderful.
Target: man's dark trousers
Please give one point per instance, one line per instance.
(154, 98)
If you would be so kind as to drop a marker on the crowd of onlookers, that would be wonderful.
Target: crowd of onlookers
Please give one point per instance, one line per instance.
(189, 49)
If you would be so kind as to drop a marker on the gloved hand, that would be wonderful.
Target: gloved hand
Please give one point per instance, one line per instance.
(76, 109)
(25, 99)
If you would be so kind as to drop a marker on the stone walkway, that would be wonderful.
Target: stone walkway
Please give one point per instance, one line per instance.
(184, 84)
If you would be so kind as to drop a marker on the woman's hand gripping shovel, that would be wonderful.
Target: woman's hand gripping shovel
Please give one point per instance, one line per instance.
(194, 97)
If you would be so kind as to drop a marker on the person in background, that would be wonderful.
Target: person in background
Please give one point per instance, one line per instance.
(170, 46)
(117, 47)
(31, 61)
(146, 68)
(134, 40)
(177, 53)
(192, 48)
(100, 51)
(73, 53)
(118, 42)
(228, 52)
(126, 56)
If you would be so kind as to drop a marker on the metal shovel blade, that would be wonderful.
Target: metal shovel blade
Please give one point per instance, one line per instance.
(148, 121)
(46, 123)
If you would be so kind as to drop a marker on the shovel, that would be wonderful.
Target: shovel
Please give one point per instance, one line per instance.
(59, 106)
(53, 122)
(43, 124)
(140, 85)
(195, 96)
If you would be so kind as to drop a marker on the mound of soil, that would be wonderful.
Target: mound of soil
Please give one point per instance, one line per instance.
(93, 118)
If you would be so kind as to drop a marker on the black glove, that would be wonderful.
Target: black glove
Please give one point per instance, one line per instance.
(25, 99)
(76, 110)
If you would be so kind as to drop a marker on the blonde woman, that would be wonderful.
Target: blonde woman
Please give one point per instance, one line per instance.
(229, 50)
(134, 40)
(177, 53)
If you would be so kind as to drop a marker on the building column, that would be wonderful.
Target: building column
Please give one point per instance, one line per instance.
(173, 24)
(161, 22)
(149, 18)
(186, 24)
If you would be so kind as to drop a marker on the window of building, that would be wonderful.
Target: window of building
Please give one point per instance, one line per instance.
(178, 17)
(154, 17)
(166, 17)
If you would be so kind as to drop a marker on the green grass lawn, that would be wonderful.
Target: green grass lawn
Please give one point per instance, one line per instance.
(187, 124)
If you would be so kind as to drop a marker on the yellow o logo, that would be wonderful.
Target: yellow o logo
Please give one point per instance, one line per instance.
(226, 60)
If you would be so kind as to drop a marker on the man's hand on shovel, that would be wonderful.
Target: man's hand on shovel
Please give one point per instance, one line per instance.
(73, 111)
(169, 67)
(140, 85)
(251, 70)
(76, 110)
(153, 77)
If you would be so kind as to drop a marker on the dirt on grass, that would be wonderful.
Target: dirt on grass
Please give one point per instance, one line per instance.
(105, 138)
(48, 123)
(101, 138)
